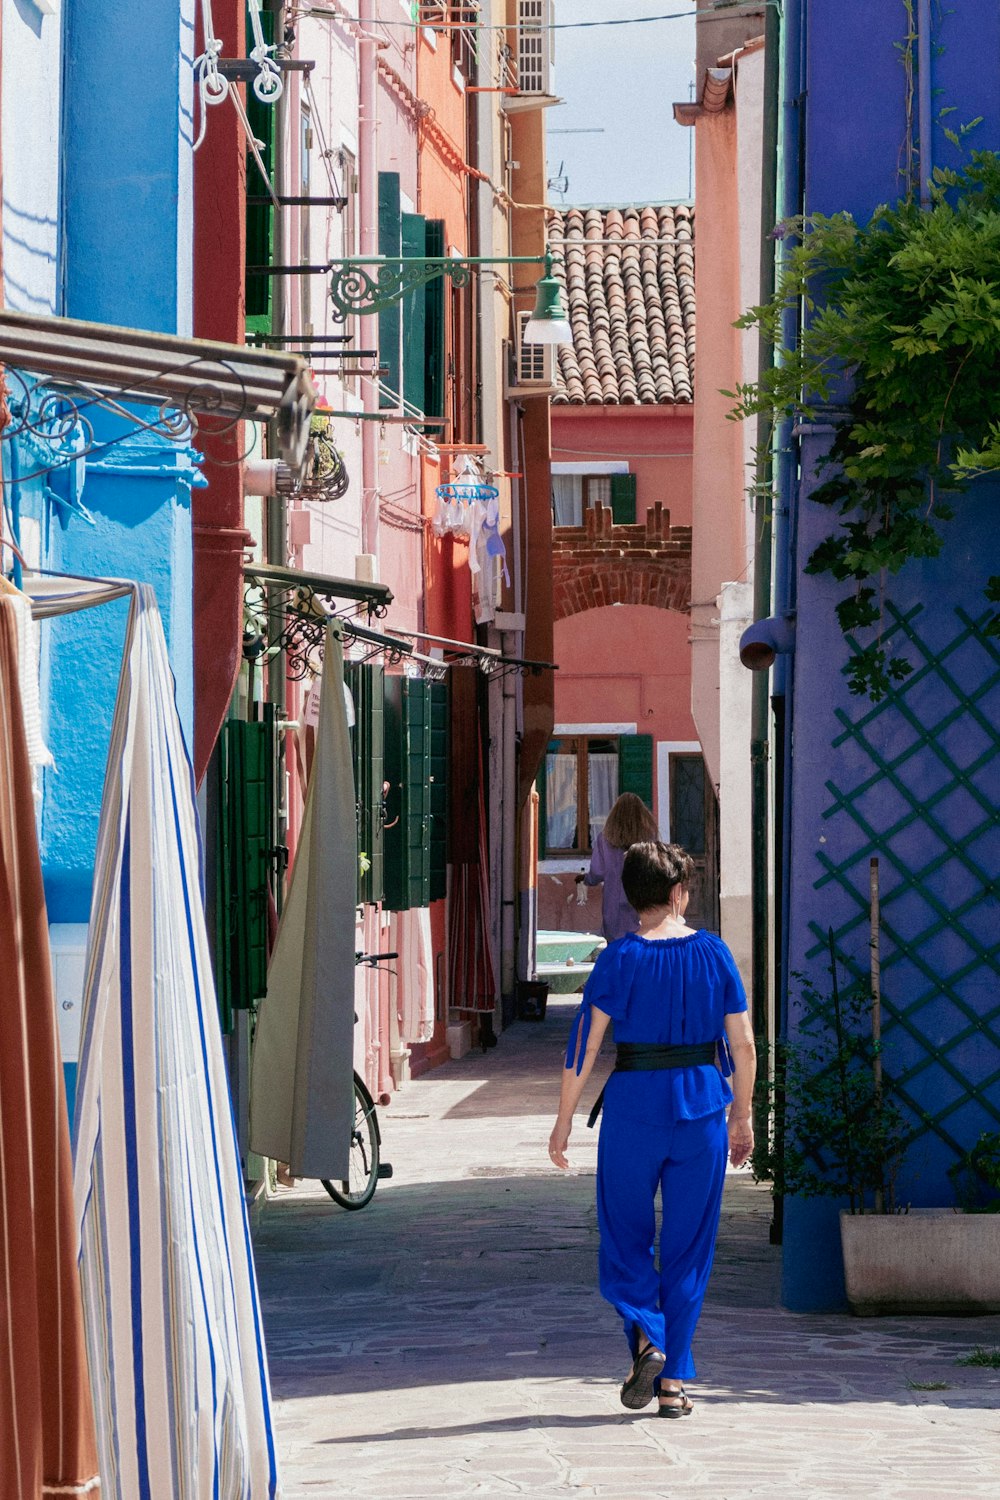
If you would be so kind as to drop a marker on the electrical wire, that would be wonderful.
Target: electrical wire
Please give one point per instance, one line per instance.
(606, 452)
(722, 8)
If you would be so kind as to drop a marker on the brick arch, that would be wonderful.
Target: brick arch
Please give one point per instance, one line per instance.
(598, 564)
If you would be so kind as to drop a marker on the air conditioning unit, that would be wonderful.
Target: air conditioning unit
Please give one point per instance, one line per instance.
(532, 365)
(534, 47)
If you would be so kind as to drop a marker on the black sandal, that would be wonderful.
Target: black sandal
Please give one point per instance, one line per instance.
(637, 1391)
(684, 1407)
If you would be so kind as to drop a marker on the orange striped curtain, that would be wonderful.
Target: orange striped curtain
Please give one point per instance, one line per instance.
(47, 1444)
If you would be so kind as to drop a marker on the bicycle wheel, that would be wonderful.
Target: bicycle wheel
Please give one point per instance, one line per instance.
(358, 1188)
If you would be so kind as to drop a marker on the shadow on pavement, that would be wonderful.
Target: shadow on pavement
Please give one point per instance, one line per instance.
(493, 1280)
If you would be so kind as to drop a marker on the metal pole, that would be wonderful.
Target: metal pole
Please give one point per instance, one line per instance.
(277, 542)
(876, 1011)
(368, 234)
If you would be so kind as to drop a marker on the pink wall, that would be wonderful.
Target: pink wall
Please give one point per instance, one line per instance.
(657, 442)
(629, 663)
(720, 540)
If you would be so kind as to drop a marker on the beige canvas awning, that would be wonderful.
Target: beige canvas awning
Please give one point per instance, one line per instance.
(227, 382)
(302, 1077)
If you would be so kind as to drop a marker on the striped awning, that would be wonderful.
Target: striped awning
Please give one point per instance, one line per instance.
(170, 1301)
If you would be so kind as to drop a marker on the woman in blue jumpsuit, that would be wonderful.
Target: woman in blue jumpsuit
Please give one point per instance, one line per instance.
(681, 1029)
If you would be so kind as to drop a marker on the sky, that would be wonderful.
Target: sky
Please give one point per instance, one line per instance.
(623, 82)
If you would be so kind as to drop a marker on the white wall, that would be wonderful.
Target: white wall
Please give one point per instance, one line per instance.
(735, 614)
(749, 92)
(32, 61)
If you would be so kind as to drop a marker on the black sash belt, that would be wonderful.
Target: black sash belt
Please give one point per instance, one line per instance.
(651, 1057)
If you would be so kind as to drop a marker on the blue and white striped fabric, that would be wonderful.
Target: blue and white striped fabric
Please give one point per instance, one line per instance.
(174, 1336)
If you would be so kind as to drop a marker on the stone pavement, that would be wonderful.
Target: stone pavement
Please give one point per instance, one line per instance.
(449, 1340)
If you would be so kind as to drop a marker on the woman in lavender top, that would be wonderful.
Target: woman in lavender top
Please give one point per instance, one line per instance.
(629, 822)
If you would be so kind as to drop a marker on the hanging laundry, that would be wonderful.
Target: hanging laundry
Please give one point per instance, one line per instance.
(28, 660)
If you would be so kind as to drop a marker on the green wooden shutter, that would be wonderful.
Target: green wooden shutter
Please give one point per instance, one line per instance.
(408, 811)
(623, 499)
(224, 894)
(439, 790)
(389, 321)
(414, 242)
(365, 681)
(260, 216)
(434, 324)
(245, 850)
(635, 766)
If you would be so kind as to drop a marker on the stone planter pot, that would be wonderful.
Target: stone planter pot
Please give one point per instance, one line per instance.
(930, 1260)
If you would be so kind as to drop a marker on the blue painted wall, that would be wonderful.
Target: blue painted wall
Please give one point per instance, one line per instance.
(928, 813)
(126, 258)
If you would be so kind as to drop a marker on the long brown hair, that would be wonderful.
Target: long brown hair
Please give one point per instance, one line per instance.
(630, 822)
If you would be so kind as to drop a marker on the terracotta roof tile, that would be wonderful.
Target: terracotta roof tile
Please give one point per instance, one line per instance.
(630, 304)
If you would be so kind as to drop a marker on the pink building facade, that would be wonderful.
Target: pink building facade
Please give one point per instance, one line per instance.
(622, 452)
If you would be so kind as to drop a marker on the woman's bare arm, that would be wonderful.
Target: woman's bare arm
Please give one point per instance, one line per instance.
(739, 1034)
(573, 1084)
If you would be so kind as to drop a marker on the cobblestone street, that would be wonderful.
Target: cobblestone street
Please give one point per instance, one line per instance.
(450, 1340)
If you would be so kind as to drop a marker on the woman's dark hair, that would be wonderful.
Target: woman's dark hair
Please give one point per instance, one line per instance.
(629, 822)
(651, 871)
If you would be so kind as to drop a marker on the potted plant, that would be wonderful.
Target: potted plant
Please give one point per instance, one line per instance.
(839, 1133)
(976, 1176)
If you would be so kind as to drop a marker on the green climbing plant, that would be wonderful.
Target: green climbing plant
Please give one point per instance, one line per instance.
(900, 337)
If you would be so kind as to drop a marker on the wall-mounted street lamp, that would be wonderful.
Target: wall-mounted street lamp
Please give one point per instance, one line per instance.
(373, 283)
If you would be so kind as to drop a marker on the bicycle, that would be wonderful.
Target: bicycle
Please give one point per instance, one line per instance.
(366, 1166)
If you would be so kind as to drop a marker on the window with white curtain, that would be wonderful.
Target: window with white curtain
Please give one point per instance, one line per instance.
(581, 787)
(561, 800)
(572, 494)
(567, 500)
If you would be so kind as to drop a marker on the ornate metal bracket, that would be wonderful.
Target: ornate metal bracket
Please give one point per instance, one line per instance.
(354, 288)
(373, 283)
(291, 613)
(53, 423)
(325, 476)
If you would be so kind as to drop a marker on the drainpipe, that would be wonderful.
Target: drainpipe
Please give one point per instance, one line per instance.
(368, 235)
(508, 827)
(790, 203)
(926, 145)
(763, 525)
